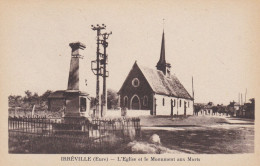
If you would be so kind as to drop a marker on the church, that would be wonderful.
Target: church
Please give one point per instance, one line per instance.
(156, 90)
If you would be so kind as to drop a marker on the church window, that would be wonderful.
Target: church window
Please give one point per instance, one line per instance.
(180, 103)
(174, 103)
(163, 101)
(135, 82)
(125, 101)
(188, 104)
(145, 101)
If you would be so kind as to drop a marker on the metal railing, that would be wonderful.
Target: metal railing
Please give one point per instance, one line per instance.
(83, 136)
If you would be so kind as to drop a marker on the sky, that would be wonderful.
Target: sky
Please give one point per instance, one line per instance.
(215, 42)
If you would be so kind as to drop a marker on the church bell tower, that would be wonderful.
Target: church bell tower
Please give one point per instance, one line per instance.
(162, 65)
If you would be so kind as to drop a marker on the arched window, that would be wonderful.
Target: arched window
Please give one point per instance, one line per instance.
(125, 101)
(180, 103)
(188, 104)
(145, 101)
(174, 103)
(163, 101)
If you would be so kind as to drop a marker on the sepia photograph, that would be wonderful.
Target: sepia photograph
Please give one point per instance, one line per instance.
(129, 81)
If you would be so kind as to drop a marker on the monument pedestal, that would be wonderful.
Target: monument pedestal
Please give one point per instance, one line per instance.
(77, 106)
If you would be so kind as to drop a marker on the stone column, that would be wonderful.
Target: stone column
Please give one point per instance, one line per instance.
(73, 82)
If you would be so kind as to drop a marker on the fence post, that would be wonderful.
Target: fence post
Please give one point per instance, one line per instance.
(23, 123)
(33, 125)
(27, 120)
(13, 124)
(41, 122)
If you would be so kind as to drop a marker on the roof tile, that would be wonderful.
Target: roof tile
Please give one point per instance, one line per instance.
(162, 85)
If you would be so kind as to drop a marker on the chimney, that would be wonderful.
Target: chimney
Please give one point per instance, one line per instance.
(76, 53)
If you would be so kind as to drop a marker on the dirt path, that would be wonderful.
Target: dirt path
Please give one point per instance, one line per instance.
(206, 135)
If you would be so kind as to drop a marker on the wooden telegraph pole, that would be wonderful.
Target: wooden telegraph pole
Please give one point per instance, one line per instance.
(105, 73)
(193, 96)
(245, 95)
(96, 69)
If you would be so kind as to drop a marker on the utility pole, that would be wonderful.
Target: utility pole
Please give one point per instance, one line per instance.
(105, 73)
(193, 95)
(241, 99)
(96, 70)
(245, 95)
(192, 89)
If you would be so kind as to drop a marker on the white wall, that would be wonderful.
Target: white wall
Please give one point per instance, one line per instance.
(130, 113)
(137, 113)
(177, 109)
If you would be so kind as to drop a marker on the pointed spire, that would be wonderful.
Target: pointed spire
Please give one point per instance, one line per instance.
(162, 65)
(162, 62)
(162, 55)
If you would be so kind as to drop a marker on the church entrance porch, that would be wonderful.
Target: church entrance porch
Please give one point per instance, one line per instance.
(135, 103)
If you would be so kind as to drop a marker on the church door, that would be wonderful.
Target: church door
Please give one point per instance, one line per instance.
(135, 103)
(185, 107)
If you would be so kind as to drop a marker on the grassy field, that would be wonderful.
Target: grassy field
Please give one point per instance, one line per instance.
(21, 143)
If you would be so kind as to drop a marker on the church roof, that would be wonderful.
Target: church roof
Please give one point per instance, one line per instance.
(163, 85)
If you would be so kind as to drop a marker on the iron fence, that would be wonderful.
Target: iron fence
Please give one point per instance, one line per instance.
(46, 135)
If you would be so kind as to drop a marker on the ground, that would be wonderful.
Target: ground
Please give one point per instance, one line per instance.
(201, 134)
(193, 134)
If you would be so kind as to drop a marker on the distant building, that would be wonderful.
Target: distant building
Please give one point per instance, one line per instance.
(204, 109)
(57, 101)
(235, 108)
(250, 109)
(156, 90)
(247, 110)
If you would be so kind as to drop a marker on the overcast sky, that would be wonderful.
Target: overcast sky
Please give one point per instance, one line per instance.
(215, 42)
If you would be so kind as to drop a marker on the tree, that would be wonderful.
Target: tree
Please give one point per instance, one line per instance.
(252, 105)
(215, 109)
(28, 96)
(35, 99)
(14, 101)
(197, 108)
(251, 108)
(92, 102)
(230, 110)
(112, 99)
(45, 95)
(210, 103)
(29, 99)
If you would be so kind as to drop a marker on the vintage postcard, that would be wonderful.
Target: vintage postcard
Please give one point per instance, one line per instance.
(129, 82)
